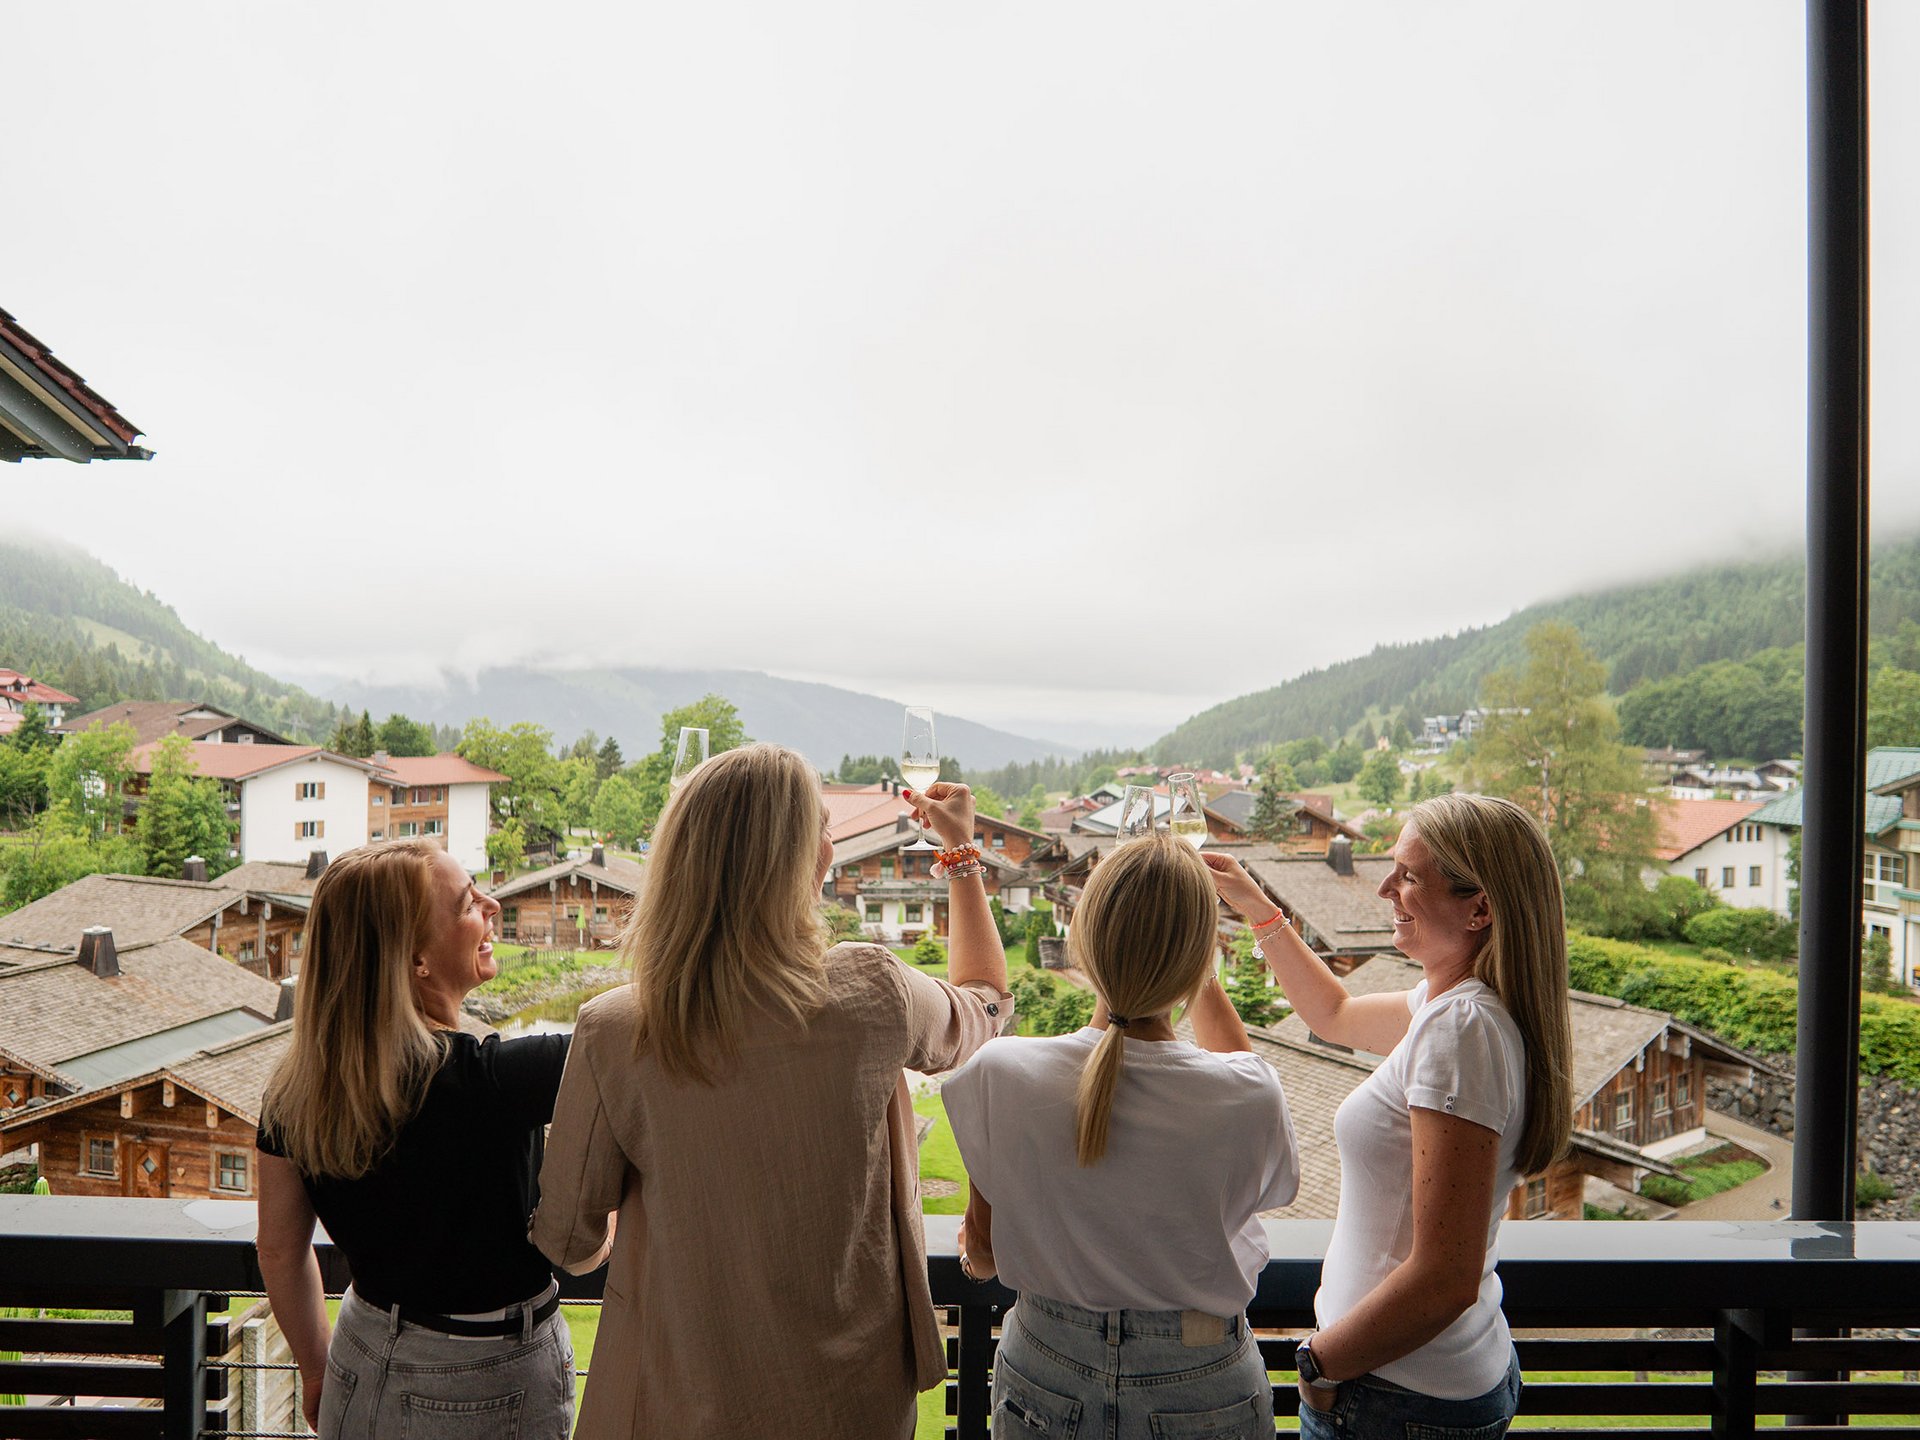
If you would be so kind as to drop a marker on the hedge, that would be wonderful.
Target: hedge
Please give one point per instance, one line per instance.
(1754, 1009)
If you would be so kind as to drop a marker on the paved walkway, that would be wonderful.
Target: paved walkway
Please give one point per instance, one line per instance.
(1756, 1199)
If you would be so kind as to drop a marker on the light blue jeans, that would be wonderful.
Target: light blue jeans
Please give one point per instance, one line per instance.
(1064, 1373)
(1370, 1406)
(387, 1380)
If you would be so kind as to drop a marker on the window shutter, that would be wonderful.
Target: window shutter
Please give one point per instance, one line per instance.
(320, 831)
(296, 830)
(323, 789)
(296, 791)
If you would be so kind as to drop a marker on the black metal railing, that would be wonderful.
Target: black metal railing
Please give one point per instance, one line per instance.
(1674, 1328)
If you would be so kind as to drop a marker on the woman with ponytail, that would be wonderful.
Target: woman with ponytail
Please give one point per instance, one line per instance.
(1116, 1176)
(1475, 1093)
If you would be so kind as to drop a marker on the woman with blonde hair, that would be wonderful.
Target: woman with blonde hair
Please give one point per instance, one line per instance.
(741, 1107)
(1475, 1092)
(1116, 1177)
(417, 1145)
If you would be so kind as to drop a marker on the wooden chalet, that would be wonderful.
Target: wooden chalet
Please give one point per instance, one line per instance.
(254, 915)
(892, 888)
(1334, 899)
(154, 720)
(1619, 1049)
(184, 1128)
(576, 904)
(71, 1023)
(1310, 827)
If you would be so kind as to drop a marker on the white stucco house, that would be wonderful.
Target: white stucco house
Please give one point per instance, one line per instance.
(1719, 844)
(290, 800)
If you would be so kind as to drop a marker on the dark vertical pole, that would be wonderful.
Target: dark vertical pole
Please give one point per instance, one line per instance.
(1827, 1067)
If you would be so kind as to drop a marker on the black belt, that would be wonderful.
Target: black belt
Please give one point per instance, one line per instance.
(478, 1329)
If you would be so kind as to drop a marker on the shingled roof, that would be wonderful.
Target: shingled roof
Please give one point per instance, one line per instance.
(1344, 912)
(1686, 825)
(617, 874)
(139, 909)
(47, 411)
(59, 1010)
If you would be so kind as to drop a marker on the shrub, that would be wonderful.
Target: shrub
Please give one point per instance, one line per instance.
(842, 924)
(1679, 899)
(1070, 1012)
(1754, 1009)
(1714, 955)
(929, 951)
(1757, 933)
(1869, 1189)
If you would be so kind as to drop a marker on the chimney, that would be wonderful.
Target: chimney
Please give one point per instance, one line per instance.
(901, 821)
(316, 862)
(599, 854)
(380, 758)
(283, 1009)
(97, 953)
(888, 785)
(194, 869)
(1340, 855)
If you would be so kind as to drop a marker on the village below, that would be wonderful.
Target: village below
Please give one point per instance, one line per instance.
(158, 857)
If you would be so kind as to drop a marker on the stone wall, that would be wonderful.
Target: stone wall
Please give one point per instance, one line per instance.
(1888, 1135)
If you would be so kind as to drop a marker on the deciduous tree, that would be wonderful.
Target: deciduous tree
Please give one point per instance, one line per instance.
(1551, 744)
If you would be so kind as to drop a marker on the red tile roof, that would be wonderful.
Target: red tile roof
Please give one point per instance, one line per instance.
(221, 761)
(25, 687)
(1688, 824)
(61, 379)
(437, 770)
(857, 813)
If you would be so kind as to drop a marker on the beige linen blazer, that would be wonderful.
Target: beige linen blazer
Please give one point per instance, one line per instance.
(768, 1270)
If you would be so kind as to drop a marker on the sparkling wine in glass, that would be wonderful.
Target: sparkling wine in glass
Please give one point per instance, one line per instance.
(919, 759)
(1188, 815)
(1137, 807)
(688, 755)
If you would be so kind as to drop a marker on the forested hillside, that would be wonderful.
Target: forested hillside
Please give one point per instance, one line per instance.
(70, 621)
(1644, 632)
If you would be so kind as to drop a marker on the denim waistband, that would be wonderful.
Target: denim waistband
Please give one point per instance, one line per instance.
(1131, 1324)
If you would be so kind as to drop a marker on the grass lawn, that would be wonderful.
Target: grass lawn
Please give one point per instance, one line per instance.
(1707, 1174)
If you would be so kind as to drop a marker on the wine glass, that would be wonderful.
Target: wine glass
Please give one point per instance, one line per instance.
(1187, 817)
(688, 756)
(1138, 805)
(919, 760)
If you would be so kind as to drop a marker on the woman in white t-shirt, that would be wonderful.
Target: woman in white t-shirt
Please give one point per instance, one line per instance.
(1116, 1177)
(1474, 1093)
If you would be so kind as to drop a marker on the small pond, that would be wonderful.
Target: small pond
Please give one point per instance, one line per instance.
(554, 1016)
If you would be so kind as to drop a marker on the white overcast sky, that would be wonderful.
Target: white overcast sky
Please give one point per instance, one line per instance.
(1060, 364)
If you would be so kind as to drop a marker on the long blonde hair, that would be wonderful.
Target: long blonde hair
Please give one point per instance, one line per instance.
(1490, 846)
(1144, 934)
(730, 921)
(362, 1054)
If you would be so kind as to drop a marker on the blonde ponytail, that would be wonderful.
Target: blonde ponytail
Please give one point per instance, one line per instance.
(1093, 1104)
(1144, 936)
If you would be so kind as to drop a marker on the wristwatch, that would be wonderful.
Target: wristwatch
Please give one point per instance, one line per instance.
(1309, 1368)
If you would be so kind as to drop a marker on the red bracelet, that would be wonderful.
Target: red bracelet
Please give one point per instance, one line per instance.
(1278, 917)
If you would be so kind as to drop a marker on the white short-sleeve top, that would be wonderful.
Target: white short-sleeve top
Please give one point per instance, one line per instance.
(1199, 1143)
(1462, 1055)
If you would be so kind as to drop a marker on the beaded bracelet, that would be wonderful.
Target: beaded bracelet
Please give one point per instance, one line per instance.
(958, 863)
(1281, 921)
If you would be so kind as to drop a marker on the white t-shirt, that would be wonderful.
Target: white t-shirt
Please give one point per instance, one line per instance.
(1199, 1143)
(1462, 1054)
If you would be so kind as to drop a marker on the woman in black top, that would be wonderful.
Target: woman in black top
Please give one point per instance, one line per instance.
(417, 1146)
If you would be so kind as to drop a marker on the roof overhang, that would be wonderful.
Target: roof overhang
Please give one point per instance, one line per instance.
(39, 421)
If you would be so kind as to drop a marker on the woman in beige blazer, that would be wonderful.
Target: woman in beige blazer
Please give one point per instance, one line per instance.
(741, 1109)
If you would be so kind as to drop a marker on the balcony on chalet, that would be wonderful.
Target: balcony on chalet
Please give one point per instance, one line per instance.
(140, 1318)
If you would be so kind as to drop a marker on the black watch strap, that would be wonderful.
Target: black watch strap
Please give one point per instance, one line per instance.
(1309, 1368)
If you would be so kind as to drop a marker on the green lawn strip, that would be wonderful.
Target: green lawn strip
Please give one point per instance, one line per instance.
(1706, 1180)
(940, 1158)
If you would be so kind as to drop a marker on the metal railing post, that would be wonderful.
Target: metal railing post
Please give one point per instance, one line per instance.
(1827, 1068)
(183, 1353)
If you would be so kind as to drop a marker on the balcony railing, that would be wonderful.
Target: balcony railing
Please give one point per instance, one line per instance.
(1675, 1328)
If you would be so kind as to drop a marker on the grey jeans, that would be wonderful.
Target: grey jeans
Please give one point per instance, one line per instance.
(395, 1381)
